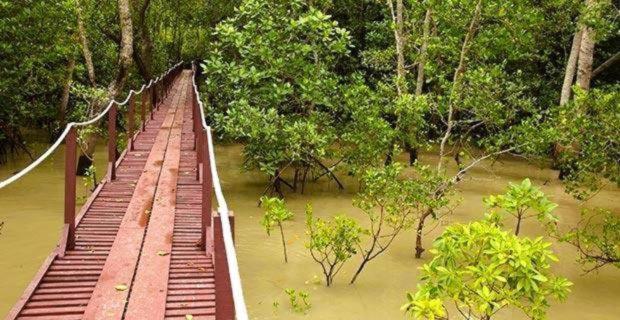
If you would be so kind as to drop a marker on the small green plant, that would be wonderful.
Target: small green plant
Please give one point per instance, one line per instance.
(275, 213)
(482, 269)
(332, 242)
(299, 300)
(522, 201)
(90, 176)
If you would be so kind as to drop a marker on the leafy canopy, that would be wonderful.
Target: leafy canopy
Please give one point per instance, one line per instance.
(271, 80)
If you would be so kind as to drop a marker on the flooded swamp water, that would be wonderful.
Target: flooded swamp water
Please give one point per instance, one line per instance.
(32, 211)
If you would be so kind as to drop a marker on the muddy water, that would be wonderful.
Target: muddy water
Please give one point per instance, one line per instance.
(32, 211)
(380, 290)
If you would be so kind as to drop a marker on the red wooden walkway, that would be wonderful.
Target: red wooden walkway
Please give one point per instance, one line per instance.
(138, 249)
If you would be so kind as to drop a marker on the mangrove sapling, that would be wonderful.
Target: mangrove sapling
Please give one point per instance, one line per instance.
(391, 204)
(597, 239)
(483, 269)
(275, 213)
(523, 201)
(299, 300)
(332, 242)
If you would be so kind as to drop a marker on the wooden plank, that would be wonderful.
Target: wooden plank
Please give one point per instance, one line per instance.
(149, 290)
(108, 302)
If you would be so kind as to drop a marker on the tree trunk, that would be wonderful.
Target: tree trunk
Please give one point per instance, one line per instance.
(399, 39)
(603, 66)
(116, 86)
(458, 77)
(64, 99)
(571, 67)
(144, 56)
(413, 154)
(586, 56)
(419, 249)
(88, 57)
(518, 227)
(423, 52)
(283, 242)
(359, 270)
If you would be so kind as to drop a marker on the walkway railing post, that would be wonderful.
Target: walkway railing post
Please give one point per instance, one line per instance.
(151, 104)
(112, 143)
(224, 302)
(143, 110)
(130, 122)
(207, 188)
(154, 97)
(70, 167)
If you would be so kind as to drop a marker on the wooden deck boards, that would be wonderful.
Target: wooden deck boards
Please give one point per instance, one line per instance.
(153, 205)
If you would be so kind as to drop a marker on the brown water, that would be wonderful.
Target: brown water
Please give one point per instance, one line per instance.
(32, 210)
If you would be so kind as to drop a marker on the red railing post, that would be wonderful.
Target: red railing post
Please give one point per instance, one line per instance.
(150, 98)
(224, 303)
(154, 96)
(207, 189)
(70, 167)
(112, 143)
(130, 122)
(143, 109)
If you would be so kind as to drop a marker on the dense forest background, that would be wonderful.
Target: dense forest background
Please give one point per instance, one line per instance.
(490, 75)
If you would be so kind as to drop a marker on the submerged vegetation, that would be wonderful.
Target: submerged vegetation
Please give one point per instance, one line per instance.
(322, 89)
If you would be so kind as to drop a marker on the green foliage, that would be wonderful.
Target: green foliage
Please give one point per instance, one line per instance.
(522, 201)
(587, 130)
(90, 177)
(388, 198)
(483, 269)
(597, 239)
(33, 65)
(299, 300)
(332, 242)
(275, 213)
(393, 203)
(271, 82)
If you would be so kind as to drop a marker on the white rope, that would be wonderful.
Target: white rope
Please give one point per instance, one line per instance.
(241, 311)
(62, 136)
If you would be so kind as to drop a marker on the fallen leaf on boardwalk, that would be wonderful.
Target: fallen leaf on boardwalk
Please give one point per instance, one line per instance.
(189, 317)
(162, 253)
(120, 287)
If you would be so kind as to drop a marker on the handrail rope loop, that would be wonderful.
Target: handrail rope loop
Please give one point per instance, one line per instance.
(241, 312)
(62, 136)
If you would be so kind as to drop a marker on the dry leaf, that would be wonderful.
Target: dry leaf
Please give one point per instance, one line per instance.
(120, 287)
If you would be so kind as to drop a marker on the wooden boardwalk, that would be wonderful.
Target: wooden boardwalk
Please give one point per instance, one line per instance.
(138, 251)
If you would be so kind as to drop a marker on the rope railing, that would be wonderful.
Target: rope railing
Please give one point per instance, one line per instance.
(222, 208)
(70, 125)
